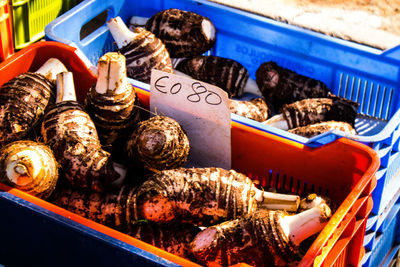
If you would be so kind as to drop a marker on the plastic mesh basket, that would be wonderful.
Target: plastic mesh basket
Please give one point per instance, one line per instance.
(30, 17)
(344, 170)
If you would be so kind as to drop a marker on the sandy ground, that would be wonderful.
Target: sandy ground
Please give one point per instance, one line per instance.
(389, 11)
(369, 22)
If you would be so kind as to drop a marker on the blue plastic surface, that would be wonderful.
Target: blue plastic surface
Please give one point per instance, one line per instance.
(358, 72)
(62, 242)
(383, 244)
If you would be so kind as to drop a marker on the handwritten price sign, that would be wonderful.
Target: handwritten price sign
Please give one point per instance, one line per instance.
(210, 97)
(203, 112)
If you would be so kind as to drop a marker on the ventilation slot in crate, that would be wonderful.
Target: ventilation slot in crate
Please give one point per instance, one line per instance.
(376, 99)
(275, 181)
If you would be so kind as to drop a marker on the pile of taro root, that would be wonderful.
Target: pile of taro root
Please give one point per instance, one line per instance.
(107, 160)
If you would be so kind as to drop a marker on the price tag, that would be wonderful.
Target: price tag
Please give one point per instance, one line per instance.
(203, 112)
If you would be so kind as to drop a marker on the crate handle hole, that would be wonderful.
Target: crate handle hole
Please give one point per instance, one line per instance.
(93, 25)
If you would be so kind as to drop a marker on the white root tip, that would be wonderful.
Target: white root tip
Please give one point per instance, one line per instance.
(276, 201)
(305, 224)
(65, 87)
(17, 171)
(277, 121)
(51, 68)
(137, 21)
(252, 87)
(121, 170)
(208, 29)
(120, 32)
(111, 73)
(311, 201)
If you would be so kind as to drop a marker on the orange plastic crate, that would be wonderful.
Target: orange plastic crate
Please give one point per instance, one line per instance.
(343, 170)
(6, 36)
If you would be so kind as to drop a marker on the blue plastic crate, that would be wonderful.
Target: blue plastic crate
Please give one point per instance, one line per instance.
(382, 238)
(358, 72)
(27, 227)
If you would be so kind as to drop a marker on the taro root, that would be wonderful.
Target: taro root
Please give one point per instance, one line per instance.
(261, 238)
(51, 68)
(109, 209)
(202, 196)
(322, 127)
(184, 33)
(174, 238)
(315, 110)
(72, 135)
(142, 49)
(255, 109)
(281, 86)
(112, 102)
(227, 74)
(158, 143)
(24, 99)
(29, 166)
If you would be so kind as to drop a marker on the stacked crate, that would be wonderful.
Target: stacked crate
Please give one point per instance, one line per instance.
(30, 17)
(382, 238)
(6, 37)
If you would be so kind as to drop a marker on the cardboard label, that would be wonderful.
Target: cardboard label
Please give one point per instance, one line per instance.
(203, 112)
